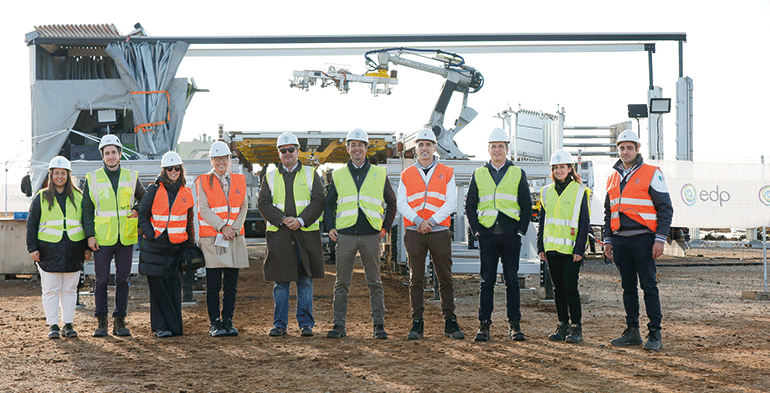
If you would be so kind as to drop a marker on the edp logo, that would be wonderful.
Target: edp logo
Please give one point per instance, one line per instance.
(690, 195)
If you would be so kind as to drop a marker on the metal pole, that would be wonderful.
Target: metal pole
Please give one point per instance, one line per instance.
(764, 254)
(6, 189)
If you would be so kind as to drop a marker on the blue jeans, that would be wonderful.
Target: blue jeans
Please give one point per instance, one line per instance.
(304, 303)
(494, 249)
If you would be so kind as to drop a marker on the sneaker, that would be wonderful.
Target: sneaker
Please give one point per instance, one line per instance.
(514, 333)
(653, 340)
(379, 332)
(227, 324)
(217, 329)
(163, 333)
(575, 334)
(415, 332)
(101, 330)
(119, 327)
(337, 331)
(630, 337)
(306, 331)
(561, 333)
(483, 333)
(451, 329)
(68, 331)
(54, 331)
(277, 332)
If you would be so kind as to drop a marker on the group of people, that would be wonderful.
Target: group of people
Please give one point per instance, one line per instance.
(357, 210)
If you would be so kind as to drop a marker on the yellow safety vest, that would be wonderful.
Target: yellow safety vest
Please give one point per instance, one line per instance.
(562, 213)
(303, 185)
(111, 221)
(494, 198)
(54, 222)
(369, 199)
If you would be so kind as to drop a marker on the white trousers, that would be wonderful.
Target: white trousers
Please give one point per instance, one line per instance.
(59, 287)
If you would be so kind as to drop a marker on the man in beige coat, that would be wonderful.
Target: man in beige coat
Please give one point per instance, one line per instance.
(291, 200)
(222, 208)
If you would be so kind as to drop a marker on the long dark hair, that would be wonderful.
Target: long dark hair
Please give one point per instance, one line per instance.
(164, 176)
(48, 194)
(572, 174)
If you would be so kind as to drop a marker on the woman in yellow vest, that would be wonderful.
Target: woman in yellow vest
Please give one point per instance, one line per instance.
(56, 242)
(166, 220)
(561, 240)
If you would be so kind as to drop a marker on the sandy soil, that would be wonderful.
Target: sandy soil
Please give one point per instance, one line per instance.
(713, 341)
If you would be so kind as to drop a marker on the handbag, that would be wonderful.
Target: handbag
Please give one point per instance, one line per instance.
(191, 258)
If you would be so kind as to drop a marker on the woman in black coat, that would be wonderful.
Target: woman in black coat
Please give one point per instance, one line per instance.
(166, 221)
(56, 243)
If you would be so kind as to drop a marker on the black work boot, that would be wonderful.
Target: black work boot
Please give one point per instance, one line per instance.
(630, 337)
(415, 332)
(379, 332)
(561, 333)
(515, 333)
(68, 331)
(452, 329)
(119, 327)
(338, 331)
(653, 340)
(575, 334)
(101, 330)
(483, 333)
(227, 324)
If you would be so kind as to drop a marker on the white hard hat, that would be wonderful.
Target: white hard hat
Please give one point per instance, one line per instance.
(170, 159)
(287, 138)
(628, 136)
(498, 135)
(108, 140)
(219, 149)
(60, 162)
(426, 134)
(562, 157)
(357, 135)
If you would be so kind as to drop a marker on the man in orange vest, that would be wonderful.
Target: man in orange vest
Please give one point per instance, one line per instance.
(637, 217)
(426, 199)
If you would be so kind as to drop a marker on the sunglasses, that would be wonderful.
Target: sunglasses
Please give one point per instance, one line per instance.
(177, 168)
(285, 150)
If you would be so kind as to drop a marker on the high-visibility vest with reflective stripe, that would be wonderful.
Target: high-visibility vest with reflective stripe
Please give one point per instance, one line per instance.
(303, 185)
(111, 211)
(368, 199)
(54, 222)
(426, 200)
(497, 198)
(227, 207)
(635, 200)
(175, 220)
(562, 213)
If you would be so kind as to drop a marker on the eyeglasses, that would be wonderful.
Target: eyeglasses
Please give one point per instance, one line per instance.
(220, 159)
(285, 150)
(177, 168)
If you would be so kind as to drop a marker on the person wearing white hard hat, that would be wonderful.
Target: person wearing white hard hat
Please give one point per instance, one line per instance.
(110, 213)
(498, 207)
(222, 208)
(166, 220)
(291, 200)
(561, 240)
(637, 219)
(427, 196)
(56, 243)
(357, 222)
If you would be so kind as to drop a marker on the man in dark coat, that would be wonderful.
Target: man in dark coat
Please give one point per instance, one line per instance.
(291, 200)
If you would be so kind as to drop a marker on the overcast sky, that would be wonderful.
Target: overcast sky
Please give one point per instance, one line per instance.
(725, 54)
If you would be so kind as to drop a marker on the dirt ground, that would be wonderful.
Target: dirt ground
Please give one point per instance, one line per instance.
(712, 341)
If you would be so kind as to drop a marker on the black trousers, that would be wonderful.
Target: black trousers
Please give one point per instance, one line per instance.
(564, 276)
(633, 257)
(165, 304)
(216, 279)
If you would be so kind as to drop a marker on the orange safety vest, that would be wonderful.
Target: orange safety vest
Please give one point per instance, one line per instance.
(174, 221)
(426, 201)
(635, 200)
(218, 202)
